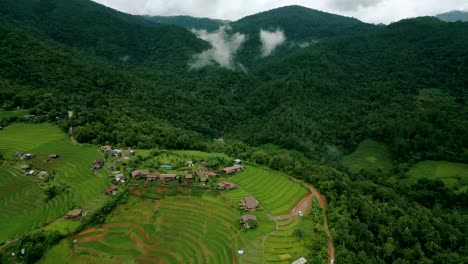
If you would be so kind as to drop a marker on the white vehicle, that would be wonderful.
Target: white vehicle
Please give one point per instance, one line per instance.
(300, 213)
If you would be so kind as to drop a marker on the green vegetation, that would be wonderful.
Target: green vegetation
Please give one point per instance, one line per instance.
(275, 192)
(297, 111)
(454, 175)
(23, 199)
(174, 230)
(16, 113)
(370, 156)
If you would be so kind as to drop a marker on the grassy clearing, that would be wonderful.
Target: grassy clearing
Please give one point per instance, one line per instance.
(369, 156)
(451, 173)
(275, 192)
(23, 204)
(14, 113)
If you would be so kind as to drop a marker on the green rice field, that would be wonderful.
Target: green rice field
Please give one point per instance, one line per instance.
(451, 173)
(276, 193)
(178, 229)
(369, 156)
(23, 204)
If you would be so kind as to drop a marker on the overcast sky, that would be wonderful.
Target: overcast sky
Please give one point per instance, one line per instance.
(373, 11)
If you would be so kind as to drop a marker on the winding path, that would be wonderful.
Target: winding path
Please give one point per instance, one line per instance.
(304, 205)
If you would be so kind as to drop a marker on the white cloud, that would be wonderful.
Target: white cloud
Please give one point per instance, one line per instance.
(271, 40)
(223, 48)
(373, 11)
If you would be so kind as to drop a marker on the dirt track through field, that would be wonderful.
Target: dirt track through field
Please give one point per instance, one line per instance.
(307, 201)
(304, 205)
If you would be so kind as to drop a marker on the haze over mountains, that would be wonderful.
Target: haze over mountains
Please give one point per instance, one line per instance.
(453, 16)
(292, 88)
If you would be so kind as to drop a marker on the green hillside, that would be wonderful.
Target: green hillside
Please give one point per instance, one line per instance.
(298, 111)
(101, 31)
(23, 199)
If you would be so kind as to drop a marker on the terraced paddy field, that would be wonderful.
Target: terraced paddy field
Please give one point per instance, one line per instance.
(193, 228)
(276, 193)
(178, 229)
(22, 200)
(453, 174)
(370, 156)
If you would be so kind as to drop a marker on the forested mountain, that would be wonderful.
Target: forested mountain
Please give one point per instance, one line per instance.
(453, 16)
(301, 23)
(367, 87)
(101, 31)
(188, 22)
(301, 26)
(300, 110)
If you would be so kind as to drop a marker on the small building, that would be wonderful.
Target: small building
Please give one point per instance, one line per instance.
(97, 165)
(233, 169)
(189, 163)
(168, 177)
(43, 175)
(113, 190)
(226, 185)
(74, 214)
(120, 177)
(129, 152)
(117, 152)
(152, 177)
(208, 173)
(248, 221)
(27, 156)
(237, 161)
(249, 203)
(204, 180)
(31, 173)
(302, 260)
(106, 149)
(26, 167)
(136, 174)
(189, 178)
(54, 156)
(167, 167)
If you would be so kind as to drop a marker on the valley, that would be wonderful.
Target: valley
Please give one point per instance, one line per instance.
(285, 135)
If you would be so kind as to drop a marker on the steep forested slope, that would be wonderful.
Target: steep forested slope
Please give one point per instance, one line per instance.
(403, 84)
(301, 26)
(345, 90)
(102, 31)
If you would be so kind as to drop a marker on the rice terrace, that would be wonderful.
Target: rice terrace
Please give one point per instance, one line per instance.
(166, 206)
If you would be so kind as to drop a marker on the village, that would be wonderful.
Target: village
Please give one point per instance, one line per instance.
(196, 173)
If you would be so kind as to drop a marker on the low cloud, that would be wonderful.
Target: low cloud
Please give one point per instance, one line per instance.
(224, 48)
(271, 40)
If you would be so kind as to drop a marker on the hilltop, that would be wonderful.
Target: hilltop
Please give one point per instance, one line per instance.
(453, 16)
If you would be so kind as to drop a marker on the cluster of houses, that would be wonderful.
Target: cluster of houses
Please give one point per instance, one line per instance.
(24, 156)
(125, 153)
(29, 171)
